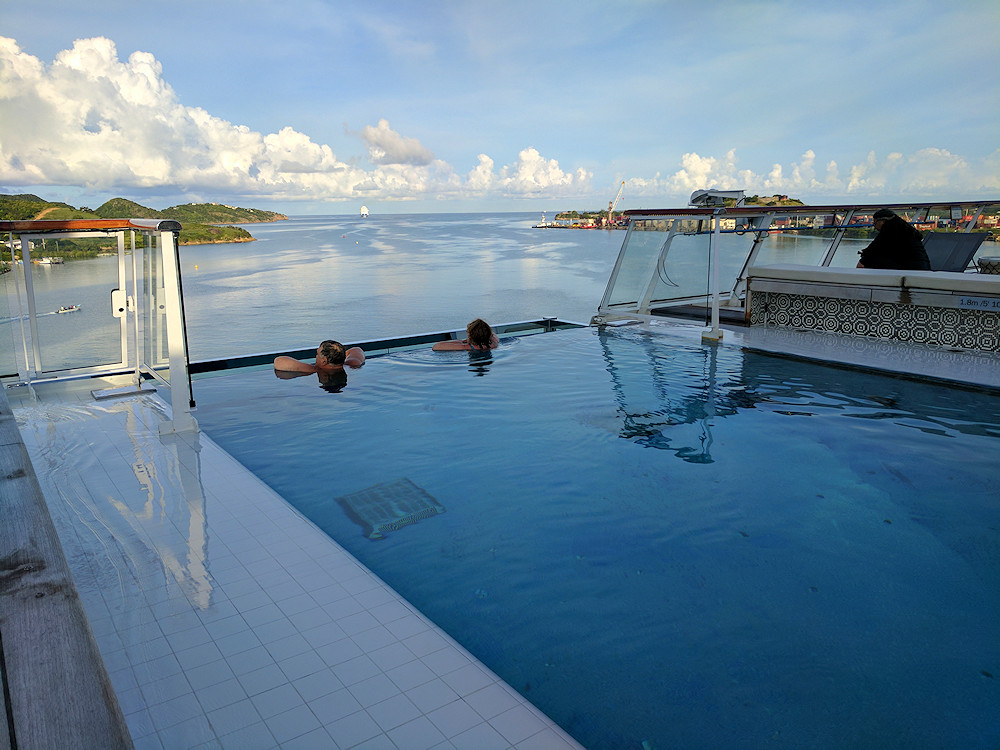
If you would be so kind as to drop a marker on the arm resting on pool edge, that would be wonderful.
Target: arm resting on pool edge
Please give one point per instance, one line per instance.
(463, 345)
(355, 357)
(287, 364)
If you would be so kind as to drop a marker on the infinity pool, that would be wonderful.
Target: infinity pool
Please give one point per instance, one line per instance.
(660, 542)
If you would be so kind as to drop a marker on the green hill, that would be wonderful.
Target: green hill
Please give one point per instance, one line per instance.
(216, 213)
(199, 221)
(122, 208)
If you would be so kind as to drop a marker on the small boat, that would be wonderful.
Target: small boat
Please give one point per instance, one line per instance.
(50, 261)
(68, 309)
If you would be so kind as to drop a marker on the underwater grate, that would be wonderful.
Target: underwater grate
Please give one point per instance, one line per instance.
(389, 506)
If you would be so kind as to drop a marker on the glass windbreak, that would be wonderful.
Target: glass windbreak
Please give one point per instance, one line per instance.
(10, 323)
(156, 353)
(70, 284)
(667, 261)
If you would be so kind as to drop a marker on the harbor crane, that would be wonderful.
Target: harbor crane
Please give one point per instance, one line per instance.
(612, 204)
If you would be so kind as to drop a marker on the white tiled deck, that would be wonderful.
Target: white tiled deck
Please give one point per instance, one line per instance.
(225, 618)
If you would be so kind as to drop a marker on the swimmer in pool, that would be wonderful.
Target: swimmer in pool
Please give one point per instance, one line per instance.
(478, 336)
(330, 359)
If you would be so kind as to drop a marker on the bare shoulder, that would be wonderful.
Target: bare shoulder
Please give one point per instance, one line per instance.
(355, 357)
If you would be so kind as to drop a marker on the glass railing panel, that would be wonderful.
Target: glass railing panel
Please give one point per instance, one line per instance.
(76, 328)
(153, 311)
(682, 271)
(642, 247)
(10, 329)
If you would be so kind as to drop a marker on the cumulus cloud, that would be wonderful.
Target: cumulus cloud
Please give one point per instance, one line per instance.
(386, 146)
(92, 120)
(928, 172)
(531, 174)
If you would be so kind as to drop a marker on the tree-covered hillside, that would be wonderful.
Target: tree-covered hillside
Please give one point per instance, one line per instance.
(198, 220)
(216, 213)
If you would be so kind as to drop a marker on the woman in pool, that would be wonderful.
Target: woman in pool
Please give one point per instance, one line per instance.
(479, 336)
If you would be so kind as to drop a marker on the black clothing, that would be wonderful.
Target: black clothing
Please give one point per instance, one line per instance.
(897, 245)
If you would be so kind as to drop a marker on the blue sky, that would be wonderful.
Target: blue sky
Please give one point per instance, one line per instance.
(315, 106)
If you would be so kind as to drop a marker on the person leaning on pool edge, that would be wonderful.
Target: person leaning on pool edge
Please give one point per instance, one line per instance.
(330, 358)
(478, 336)
(897, 245)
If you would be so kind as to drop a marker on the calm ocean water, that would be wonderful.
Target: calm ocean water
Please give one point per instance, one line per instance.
(351, 279)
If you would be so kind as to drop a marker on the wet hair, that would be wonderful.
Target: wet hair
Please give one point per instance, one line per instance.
(333, 352)
(479, 333)
(883, 213)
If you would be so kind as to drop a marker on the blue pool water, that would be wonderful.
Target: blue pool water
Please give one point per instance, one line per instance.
(657, 541)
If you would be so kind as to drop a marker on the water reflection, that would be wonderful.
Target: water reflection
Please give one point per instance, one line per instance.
(331, 382)
(480, 361)
(661, 390)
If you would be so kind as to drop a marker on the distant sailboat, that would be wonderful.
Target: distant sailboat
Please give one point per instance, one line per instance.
(364, 212)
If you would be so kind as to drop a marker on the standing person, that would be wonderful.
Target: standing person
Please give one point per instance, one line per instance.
(479, 336)
(897, 245)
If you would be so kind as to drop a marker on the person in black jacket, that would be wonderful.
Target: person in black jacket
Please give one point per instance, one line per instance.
(897, 245)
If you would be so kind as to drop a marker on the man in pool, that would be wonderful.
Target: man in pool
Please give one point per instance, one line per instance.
(330, 359)
(478, 336)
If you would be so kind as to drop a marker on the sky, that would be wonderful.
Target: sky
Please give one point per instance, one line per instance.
(321, 106)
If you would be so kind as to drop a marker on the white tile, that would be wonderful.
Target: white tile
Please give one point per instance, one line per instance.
(317, 684)
(234, 717)
(287, 647)
(302, 665)
(373, 690)
(318, 739)
(291, 724)
(210, 674)
(333, 706)
(468, 679)
(277, 700)
(393, 711)
(165, 689)
(548, 739)
(493, 700)
(262, 679)
(249, 661)
(518, 723)
(454, 718)
(223, 694)
(197, 656)
(431, 695)
(417, 734)
(339, 652)
(355, 670)
(175, 711)
(252, 737)
(481, 737)
(446, 660)
(237, 643)
(353, 729)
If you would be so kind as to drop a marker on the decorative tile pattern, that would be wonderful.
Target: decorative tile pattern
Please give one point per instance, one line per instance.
(938, 326)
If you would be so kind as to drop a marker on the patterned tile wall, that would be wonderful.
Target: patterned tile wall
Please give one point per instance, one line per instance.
(943, 326)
